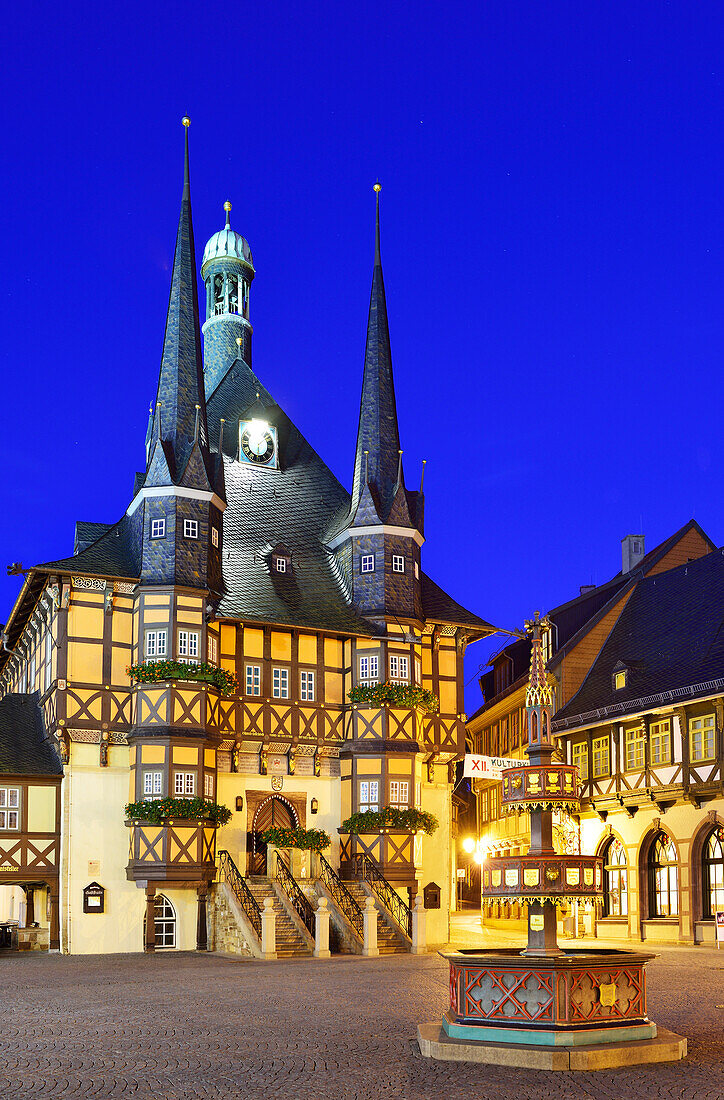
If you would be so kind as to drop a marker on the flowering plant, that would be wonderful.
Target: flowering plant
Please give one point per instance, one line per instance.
(394, 694)
(307, 839)
(153, 672)
(390, 817)
(159, 810)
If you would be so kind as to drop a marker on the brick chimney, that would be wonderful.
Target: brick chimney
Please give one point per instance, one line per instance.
(632, 552)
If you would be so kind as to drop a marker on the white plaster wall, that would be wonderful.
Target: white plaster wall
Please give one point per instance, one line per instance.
(437, 861)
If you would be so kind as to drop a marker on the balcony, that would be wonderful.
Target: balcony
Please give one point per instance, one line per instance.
(174, 851)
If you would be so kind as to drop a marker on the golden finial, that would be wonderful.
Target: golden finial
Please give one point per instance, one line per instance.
(227, 206)
(186, 121)
(377, 186)
(239, 341)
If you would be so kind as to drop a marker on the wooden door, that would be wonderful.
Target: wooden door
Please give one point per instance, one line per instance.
(275, 813)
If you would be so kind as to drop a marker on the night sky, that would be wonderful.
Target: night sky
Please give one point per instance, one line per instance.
(552, 244)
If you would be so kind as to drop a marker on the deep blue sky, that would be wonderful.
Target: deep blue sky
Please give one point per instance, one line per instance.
(552, 247)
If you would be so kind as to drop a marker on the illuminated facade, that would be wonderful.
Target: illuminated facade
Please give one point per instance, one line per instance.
(239, 550)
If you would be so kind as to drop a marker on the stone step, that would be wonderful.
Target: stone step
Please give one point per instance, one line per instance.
(289, 941)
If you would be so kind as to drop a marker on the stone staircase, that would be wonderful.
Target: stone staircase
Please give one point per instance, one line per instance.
(389, 940)
(291, 942)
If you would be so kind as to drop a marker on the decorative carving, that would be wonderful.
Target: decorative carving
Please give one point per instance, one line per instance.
(94, 584)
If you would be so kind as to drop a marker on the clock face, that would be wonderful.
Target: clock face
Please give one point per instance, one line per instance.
(257, 443)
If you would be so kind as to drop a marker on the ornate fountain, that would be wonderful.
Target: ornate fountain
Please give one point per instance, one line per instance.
(546, 1007)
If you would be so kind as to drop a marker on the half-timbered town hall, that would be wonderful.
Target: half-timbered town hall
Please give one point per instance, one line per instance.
(240, 552)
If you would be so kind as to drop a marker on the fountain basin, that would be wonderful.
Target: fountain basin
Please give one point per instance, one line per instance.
(574, 998)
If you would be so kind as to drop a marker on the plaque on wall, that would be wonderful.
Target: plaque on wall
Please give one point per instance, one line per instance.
(431, 896)
(94, 898)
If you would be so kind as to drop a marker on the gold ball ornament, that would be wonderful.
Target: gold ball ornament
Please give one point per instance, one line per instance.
(186, 121)
(377, 186)
(227, 206)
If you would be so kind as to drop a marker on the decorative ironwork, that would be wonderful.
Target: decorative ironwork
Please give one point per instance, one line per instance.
(367, 869)
(341, 896)
(231, 874)
(299, 902)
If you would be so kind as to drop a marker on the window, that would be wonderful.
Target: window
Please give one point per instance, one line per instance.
(663, 878)
(253, 679)
(188, 645)
(152, 784)
(418, 671)
(306, 686)
(368, 563)
(619, 680)
(399, 667)
(660, 742)
(615, 880)
(579, 756)
(155, 644)
(369, 798)
(701, 738)
(9, 807)
(208, 785)
(280, 564)
(417, 572)
(601, 756)
(31, 672)
(713, 873)
(184, 783)
(369, 668)
(191, 528)
(635, 744)
(280, 683)
(164, 923)
(158, 528)
(212, 649)
(215, 536)
(515, 729)
(399, 793)
(398, 563)
(504, 737)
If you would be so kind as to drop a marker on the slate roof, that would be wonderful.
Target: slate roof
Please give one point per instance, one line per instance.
(24, 745)
(114, 554)
(439, 607)
(378, 432)
(670, 636)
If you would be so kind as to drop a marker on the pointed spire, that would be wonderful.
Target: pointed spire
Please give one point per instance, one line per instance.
(378, 432)
(180, 406)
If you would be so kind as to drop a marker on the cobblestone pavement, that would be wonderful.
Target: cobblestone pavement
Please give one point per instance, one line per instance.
(191, 1027)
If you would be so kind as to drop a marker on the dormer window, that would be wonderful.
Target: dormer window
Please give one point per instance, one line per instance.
(280, 560)
(620, 678)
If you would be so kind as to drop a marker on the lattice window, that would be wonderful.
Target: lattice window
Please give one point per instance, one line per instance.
(9, 807)
(713, 873)
(253, 679)
(368, 563)
(191, 528)
(635, 749)
(663, 878)
(212, 649)
(155, 647)
(184, 785)
(601, 756)
(188, 646)
(398, 563)
(280, 683)
(152, 784)
(399, 667)
(660, 742)
(306, 686)
(158, 528)
(399, 793)
(164, 923)
(208, 785)
(369, 668)
(702, 738)
(369, 795)
(615, 880)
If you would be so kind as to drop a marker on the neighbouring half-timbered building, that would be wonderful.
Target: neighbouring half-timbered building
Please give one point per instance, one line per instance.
(583, 630)
(239, 549)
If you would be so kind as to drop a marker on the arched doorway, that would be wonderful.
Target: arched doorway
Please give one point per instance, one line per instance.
(164, 923)
(274, 812)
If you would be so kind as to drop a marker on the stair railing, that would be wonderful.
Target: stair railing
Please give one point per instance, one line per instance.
(368, 870)
(341, 896)
(300, 904)
(236, 882)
